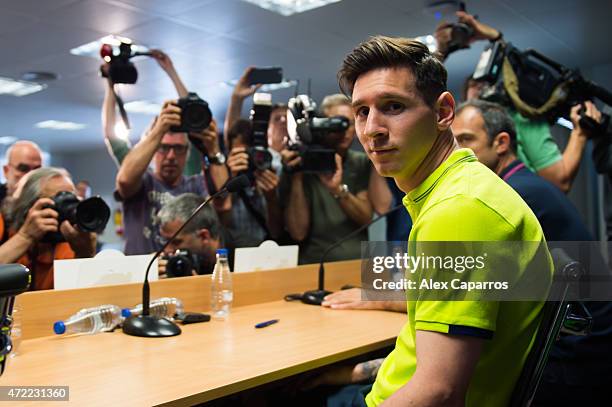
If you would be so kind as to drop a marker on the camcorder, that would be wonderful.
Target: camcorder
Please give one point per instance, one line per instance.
(14, 280)
(259, 155)
(309, 135)
(89, 215)
(536, 86)
(182, 263)
(121, 69)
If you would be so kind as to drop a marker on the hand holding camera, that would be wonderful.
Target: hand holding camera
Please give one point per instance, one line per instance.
(480, 31)
(163, 60)
(333, 181)
(206, 139)
(238, 161)
(40, 220)
(587, 119)
(169, 117)
(244, 88)
(267, 182)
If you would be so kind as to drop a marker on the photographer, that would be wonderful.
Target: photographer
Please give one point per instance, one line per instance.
(322, 208)
(119, 147)
(30, 216)
(256, 214)
(277, 128)
(202, 237)
(536, 147)
(22, 157)
(144, 192)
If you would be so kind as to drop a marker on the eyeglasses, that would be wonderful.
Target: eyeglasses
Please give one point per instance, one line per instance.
(25, 168)
(179, 149)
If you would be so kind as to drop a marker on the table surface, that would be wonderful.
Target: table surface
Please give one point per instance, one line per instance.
(207, 361)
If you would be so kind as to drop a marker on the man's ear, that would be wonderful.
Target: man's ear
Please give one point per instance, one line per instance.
(502, 141)
(204, 235)
(445, 111)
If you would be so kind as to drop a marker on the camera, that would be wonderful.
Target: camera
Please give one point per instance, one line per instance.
(460, 34)
(259, 155)
(120, 70)
(89, 215)
(195, 114)
(181, 264)
(535, 85)
(309, 135)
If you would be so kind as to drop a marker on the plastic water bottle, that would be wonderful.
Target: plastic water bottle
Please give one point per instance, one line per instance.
(90, 320)
(222, 292)
(165, 307)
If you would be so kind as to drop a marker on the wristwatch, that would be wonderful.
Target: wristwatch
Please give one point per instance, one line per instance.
(218, 159)
(343, 193)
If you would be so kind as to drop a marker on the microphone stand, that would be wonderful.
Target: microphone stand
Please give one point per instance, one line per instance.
(315, 297)
(147, 325)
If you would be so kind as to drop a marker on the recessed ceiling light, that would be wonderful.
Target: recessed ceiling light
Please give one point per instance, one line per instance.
(41, 76)
(565, 123)
(13, 87)
(92, 49)
(7, 139)
(289, 7)
(143, 106)
(270, 87)
(59, 125)
(428, 40)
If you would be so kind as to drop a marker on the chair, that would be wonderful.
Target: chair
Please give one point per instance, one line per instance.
(558, 315)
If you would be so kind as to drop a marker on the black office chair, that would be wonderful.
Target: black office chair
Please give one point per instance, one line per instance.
(558, 315)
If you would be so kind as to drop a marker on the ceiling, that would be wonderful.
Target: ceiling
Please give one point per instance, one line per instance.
(211, 41)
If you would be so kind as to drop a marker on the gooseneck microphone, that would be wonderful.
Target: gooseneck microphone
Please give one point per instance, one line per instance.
(315, 297)
(150, 326)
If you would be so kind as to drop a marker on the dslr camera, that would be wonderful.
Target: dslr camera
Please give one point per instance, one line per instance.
(195, 114)
(308, 134)
(182, 263)
(89, 215)
(121, 70)
(259, 155)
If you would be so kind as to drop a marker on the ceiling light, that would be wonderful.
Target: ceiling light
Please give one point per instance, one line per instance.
(428, 40)
(7, 139)
(59, 125)
(143, 106)
(289, 7)
(565, 123)
(270, 87)
(92, 49)
(13, 87)
(121, 131)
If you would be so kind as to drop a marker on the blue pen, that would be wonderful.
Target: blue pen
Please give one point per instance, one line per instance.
(266, 323)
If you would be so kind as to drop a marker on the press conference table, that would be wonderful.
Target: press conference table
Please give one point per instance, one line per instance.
(208, 360)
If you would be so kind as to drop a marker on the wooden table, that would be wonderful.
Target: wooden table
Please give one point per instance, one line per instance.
(208, 360)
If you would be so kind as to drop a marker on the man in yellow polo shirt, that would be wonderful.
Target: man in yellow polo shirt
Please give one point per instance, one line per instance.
(449, 353)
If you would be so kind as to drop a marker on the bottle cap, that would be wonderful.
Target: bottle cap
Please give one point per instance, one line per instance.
(59, 327)
(222, 251)
(126, 313)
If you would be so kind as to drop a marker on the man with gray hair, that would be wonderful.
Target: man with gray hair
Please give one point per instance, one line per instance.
(201, 237)
(30, 217)
(22, 157)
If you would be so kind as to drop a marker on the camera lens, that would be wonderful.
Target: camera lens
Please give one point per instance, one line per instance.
(197, 116)
(92, 214)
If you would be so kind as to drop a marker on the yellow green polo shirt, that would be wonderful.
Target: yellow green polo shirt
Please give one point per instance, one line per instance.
(462, 200)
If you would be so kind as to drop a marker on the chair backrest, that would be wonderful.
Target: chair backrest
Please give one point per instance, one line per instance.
(554, 312)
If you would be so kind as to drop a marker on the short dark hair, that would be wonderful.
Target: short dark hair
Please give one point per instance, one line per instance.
(495, 117)
(182, 206)
(388, 52)
(242, 129)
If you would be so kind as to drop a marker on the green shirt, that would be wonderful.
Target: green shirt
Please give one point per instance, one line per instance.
(120, 148)
(328, 222)
(462, 200)
(536, 147)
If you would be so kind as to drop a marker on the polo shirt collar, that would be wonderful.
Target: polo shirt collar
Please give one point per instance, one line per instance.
(414, 200)
(509, 168)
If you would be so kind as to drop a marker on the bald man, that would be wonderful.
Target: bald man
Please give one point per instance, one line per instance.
(21, 158)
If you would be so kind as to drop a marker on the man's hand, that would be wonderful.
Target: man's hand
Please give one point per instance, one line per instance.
(209, 138)
(243, 89)
(267, 182)
(481, 31)
(39, 221)
(590, 111)
(163, 60)
(349, 299)
(82, 243)
(332, 181)
(238, 161)
(169, 116)
(291, 159)
(161, 267)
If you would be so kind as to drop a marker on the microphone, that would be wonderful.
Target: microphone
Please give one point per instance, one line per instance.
(150, 326)
(315, 297)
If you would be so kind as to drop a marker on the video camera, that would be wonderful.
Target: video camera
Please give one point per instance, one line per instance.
(14, 280)
(89, 215)
(121, 70)
(308, 134)
(536, 86)
(259, 155)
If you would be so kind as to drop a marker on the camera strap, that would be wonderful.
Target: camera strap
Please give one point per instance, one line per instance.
(254, 212)
(119, 101)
